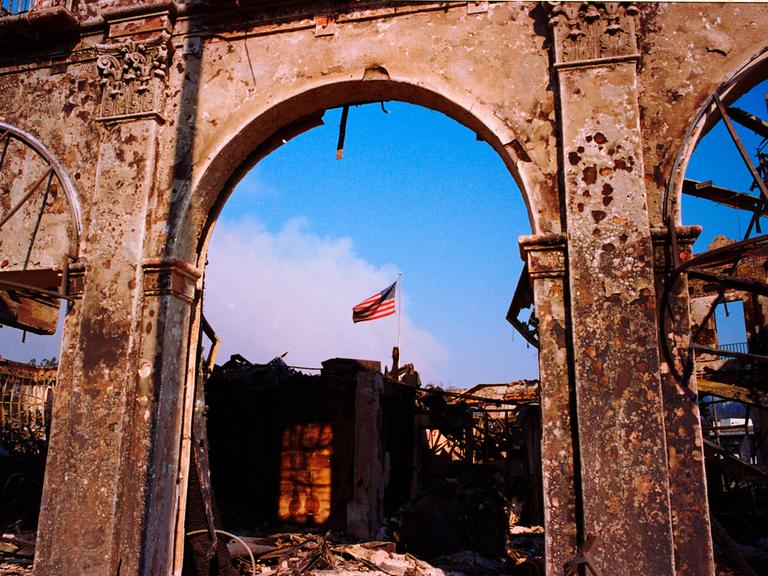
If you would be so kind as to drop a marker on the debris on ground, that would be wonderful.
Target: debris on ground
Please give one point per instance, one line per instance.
(310, 554)
(17, 552)
(288, 554)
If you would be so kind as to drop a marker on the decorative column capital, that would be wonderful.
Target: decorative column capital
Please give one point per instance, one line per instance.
(592, 33)
(544, 254)
(170, 277)
(133, 77)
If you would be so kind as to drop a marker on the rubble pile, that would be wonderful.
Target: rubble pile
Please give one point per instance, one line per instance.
(310, 554)
(288, 554)
(17, 552)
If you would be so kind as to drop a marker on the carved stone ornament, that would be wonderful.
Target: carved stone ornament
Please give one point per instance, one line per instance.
(170, 277)
(585, 32)
(133, 76)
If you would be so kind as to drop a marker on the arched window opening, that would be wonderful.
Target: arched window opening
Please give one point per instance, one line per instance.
(725, 191)
(420, 427)
(39, 241)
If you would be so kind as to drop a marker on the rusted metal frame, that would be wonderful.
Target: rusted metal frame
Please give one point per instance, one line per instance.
(741, 468)
(754, 221)
(669, 200)
(460, 396)
(215, 341)
(36, 229)
(26, 197)
(732, 254)
(666, 308)
(200, 457)
(70, 192)
(6, 137)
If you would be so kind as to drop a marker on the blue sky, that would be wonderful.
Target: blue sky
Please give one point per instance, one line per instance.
(305, 237)
(415, 193)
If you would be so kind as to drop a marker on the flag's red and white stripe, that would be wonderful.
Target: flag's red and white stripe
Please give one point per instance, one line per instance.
(377, 306)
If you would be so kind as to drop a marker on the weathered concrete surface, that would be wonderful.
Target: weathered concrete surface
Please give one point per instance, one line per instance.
(545, 256)
(156, 108)
(687, 481)
(613, 309)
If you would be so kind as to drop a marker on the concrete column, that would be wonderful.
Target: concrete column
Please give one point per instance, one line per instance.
(626, 522)
(687, 481)
(169, 291)
(96, 397)
(115, 436)
(545, 256)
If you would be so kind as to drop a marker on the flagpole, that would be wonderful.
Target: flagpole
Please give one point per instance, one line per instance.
(399, 307)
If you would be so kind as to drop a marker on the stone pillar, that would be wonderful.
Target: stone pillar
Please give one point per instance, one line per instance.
(545, 256)
(626, 522)
(88, 439)
(687, 481)
(115, 427)
(164, 355)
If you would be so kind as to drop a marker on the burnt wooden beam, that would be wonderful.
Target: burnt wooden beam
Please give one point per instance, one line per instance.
(731, 282)
(748, 120)
(724, 196)
(716, 455)
(732, 392)
(729, 353)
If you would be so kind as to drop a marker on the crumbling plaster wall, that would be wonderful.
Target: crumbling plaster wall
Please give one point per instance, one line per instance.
(449, 60)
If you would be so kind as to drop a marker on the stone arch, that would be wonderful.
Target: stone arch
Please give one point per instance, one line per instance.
(260, 129)
(739, 81)
(40, 228)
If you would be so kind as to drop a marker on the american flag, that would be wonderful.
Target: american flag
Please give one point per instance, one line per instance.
(377, 306)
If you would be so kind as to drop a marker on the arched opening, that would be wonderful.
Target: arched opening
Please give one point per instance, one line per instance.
(725, 193)
(289, 416)
(39, 241)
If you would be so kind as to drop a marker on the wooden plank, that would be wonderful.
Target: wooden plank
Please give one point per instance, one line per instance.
(36, 315)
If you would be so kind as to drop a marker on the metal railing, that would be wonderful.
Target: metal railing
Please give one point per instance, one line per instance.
(15, 7)
(742, 347)
(10, 7)
(25, 402)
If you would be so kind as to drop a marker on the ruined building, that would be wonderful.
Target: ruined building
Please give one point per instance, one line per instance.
(124, 125)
